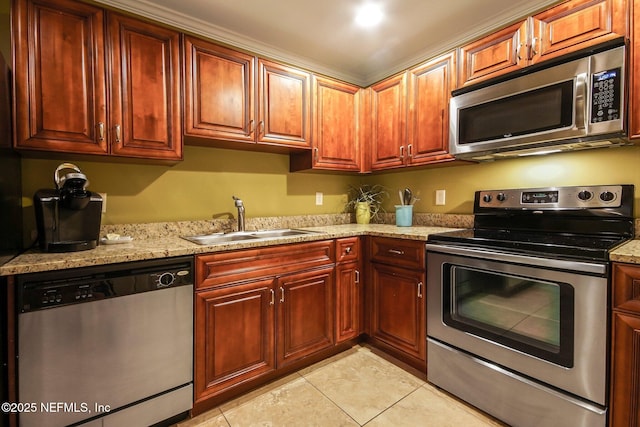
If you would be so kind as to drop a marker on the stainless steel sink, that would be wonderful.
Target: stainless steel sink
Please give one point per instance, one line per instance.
(265, 234)
(212, 239)
(216, 238)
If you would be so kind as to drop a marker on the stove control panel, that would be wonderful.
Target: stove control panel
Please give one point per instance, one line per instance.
(599, 196)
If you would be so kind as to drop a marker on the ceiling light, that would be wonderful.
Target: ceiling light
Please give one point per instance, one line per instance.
(369, 15)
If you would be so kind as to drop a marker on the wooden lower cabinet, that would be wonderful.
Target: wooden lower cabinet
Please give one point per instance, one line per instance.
(251, 327)
(624, 401)
(234, 335)
(398, 311)
(305, 314)
(348, 301)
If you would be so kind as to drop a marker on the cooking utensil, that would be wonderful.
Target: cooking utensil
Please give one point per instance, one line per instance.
(407, 196)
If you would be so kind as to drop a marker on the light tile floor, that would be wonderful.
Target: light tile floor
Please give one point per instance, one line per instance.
(354, 388)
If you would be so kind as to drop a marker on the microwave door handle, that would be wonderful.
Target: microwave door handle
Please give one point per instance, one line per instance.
(581, 101)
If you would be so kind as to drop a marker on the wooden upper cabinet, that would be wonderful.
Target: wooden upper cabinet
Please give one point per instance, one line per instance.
(219, 96)
(231, 96)
(336, 140)
(567, 27)
(389, 119)
(60, 85)
(576, 24)
(493, 55)
(284, 105)
(145, 90)
(430, 87)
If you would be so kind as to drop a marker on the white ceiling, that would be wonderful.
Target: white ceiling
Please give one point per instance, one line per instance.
(321, 34)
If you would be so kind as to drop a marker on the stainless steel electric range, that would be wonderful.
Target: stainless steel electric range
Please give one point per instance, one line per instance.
(517, 308)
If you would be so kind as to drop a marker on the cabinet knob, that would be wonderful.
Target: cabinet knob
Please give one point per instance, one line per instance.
(348, 250)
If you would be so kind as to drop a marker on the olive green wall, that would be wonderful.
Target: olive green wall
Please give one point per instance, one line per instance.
(599, 166)
(200, 187)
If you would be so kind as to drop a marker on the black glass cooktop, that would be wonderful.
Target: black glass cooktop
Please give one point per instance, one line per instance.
(540, 244)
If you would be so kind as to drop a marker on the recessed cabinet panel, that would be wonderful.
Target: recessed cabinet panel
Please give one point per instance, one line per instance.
(219, 100)
(389, 120)
(60, 76)
(145, 102)
(430, 87)
(284, 105)
(234, 337)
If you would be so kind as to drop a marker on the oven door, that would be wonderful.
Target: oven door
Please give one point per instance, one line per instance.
(543, 318)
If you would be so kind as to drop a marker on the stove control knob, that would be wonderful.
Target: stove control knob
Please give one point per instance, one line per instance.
(487, 198)
(607, 196)
(585, 195)
(501, 197)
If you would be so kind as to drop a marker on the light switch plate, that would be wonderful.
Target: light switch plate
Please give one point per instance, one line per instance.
(440, 197)
(319, 198)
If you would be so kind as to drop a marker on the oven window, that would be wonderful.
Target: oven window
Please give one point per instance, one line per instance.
(539, 110)
(526, 314)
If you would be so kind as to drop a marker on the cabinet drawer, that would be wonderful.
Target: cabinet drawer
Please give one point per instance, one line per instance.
(399, 252)
(626, 287)
(347, 249)
(236, 266)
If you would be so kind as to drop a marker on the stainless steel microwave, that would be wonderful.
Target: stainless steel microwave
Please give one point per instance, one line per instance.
(573, 105)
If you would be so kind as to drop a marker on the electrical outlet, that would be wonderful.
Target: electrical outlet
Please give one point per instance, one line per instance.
(104, 202)
(319, 198)
(440, 197)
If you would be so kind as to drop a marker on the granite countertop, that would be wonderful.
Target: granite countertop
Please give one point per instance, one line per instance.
(628, 252)
(151, 247)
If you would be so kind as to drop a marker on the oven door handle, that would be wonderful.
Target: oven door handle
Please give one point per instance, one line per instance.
(579, 266)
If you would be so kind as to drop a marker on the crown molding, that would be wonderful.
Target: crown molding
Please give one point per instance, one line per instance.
(198, 27)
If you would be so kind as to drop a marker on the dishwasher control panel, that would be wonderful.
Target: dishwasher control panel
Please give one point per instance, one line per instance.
(54, 289)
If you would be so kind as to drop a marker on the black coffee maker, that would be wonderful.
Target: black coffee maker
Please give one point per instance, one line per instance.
(68, 217)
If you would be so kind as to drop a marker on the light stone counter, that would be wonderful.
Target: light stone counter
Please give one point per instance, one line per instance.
(144, 247)
(629, 252)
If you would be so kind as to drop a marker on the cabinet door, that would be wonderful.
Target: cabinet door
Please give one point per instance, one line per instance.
(219, 92)
(305, 314)
(145, 90)
(389, 119)
(398, 309)
(430, 87)
(348, 301)
(576, 24)
(284, 105)
(60, 86)
(625, 371)
(494, 55)
(234, 336)
(335, 130)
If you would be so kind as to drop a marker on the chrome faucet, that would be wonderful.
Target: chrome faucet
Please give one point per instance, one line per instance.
(240, 207)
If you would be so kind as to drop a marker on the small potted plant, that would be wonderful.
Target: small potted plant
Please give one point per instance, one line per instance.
(366, 201)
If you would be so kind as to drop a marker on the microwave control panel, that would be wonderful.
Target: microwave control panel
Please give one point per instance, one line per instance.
(605, 95)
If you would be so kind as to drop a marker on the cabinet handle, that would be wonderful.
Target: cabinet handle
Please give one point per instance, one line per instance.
(100, 131)
(395, 252)
(315, 154)
(273, 297)
(357, 276)
(518, 48)
(402, 152)
(261, 130)
(118, 134)
(250, 128)
(419, 289)
(410, 150)
(281, 294)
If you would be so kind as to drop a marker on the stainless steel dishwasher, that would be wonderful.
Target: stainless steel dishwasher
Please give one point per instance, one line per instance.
(106, 346)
